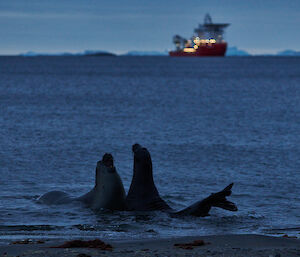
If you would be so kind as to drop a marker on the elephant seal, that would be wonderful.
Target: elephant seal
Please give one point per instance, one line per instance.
(108, 192)
(143, 194)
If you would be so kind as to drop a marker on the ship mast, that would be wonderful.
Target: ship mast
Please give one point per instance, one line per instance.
(210, 30)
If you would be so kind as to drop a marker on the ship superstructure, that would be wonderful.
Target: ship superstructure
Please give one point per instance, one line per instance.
(207, 40)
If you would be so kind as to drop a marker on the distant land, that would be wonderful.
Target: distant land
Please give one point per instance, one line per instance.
(97, 53)
(234, 51)
(85, 53)
(146, 53)
(231, 51)
(289, 53)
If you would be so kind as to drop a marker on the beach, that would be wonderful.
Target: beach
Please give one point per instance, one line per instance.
(217, 245)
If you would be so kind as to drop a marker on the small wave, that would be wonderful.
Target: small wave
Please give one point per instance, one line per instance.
(282, 229)
(14, 197)
(30, 228)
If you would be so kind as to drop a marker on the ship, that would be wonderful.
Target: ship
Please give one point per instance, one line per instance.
(207, 40)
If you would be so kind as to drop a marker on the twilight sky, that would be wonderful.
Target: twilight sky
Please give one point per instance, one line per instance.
(258, 26)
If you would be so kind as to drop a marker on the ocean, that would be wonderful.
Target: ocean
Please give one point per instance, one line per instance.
(207, 122)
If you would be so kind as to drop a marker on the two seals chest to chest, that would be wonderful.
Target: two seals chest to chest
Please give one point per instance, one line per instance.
(143, 195)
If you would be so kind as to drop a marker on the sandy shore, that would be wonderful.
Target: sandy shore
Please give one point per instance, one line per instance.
(224, 245)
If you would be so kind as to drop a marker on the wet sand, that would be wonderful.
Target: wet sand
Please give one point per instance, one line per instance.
(220, 245)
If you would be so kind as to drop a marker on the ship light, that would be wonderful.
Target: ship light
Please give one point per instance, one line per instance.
(195, 46)
(189, 50)
(212, 41)
(197, 40)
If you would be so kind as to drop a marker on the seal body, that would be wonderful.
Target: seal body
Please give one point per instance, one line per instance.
(108, 192)
(143, 194)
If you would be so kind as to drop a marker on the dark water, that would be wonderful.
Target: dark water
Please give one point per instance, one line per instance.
(207, 122)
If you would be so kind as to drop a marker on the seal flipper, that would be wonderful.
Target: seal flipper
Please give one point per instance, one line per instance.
(219, 199)
(202, 208)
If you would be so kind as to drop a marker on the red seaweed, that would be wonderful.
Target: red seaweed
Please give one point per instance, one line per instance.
(190, 246)
(97, 243)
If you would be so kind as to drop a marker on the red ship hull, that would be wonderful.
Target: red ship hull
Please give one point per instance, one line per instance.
(216, 49)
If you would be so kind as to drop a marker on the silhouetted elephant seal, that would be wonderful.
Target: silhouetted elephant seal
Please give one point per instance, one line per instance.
(143, 195)
(108, 192)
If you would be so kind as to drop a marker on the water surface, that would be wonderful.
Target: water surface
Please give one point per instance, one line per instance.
(207, 122)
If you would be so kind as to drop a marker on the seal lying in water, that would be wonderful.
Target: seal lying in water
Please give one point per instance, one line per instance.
(108, 192)
(143, 194)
